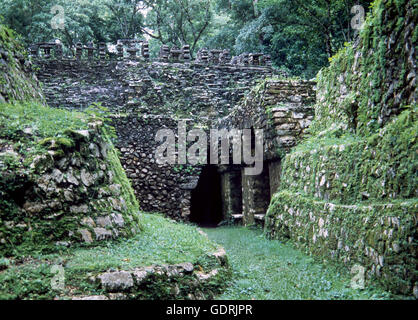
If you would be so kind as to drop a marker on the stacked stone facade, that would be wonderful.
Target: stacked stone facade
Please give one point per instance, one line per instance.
(145, 96)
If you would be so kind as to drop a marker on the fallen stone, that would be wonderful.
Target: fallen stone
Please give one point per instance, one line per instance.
(102, 233)
(116, 281)
(85, 235)
(202, 276)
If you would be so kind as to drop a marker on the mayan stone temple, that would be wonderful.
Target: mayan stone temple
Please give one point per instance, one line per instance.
(163, 169)
(145, 95)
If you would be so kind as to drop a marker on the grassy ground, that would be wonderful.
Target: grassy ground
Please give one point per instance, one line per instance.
(44, 121)
(162, 241)
(264, 269)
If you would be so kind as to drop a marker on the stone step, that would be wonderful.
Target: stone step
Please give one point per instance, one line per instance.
(259, 217)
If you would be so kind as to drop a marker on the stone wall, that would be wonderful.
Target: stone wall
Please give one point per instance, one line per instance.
(61, 181)
(159, 187)
(349, 191)
(351, 169)
(381, 238)
(144, 96)
(283, 109)
(187, 281)
(184, 89)
(354, 200)
(73, 191)
(16, 81)
(371, 81)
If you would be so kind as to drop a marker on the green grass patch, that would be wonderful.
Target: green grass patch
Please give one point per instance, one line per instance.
(162, 241)
(269, 269)
(44, 122)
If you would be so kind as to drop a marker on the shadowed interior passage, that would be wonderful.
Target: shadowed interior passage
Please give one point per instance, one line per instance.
(206, 204)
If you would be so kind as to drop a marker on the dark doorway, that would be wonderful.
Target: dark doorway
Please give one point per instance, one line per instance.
(206, 204)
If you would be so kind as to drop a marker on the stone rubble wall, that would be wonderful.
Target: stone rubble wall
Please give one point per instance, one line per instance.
(364, 192)
(381, 238)
(143, 97)
(349, 191)
(382, 168)
(283, 109)
(181, 281)
(184, 89)
(161, 188)
(60, 190)
(76, 192)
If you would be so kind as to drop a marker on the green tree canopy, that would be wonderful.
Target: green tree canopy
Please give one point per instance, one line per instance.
(179, 22)
(300, 35)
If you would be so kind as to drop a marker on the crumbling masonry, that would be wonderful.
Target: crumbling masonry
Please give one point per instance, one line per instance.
(144, 96)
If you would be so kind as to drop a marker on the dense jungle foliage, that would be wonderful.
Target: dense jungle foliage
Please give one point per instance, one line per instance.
(300, 35)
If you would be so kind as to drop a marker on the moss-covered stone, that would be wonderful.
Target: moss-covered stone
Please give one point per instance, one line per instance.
(52, 187)
(351, 168)
(16, 81)
(373, 79)
(349, 191)
(168, 260)
(379, 237)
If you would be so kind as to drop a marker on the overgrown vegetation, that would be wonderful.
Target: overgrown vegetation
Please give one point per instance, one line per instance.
(349, 191)
(359, 89)
(273, 270)
(59, 172)
(299, 35)
(15, 81)
(35, 141)
(162, 242)
(346, 168)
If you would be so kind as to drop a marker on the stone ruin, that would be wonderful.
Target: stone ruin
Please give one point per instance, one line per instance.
(213, 91)
(144, 96)
(129, 48)
(186, 53)
(134, 49)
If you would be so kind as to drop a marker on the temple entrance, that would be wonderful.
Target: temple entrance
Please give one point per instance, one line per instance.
(206, 202)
